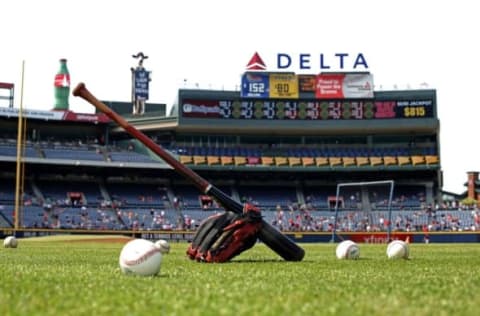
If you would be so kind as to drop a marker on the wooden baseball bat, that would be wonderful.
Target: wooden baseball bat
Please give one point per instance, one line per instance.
(269, 235)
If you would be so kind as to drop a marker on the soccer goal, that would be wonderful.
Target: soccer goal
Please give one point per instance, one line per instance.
(363, 207)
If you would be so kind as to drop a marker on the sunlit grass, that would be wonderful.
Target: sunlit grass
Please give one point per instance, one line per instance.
(83, 278)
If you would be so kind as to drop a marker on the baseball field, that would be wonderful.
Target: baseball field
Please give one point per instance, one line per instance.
(67, 275)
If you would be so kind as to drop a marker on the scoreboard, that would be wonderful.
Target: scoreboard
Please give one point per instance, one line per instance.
(325, 96)
(306, 109)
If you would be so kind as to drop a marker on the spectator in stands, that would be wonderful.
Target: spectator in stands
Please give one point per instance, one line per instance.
(476, 219)
(279, 217)
(180, 222)
(426, 235)
(188, 222)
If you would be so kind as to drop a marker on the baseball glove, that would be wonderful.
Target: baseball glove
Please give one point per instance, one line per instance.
(223, 236)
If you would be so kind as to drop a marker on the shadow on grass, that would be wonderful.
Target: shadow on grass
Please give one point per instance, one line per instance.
(265, 261)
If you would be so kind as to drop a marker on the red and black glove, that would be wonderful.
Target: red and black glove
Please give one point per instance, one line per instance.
(224, 236)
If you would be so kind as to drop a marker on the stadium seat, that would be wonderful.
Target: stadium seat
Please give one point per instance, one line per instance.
(335, 161)
(321, 161)
(129, 156)
(213, 160)
(403, 160)
(375, 161)
(294, 161)
(431, 159)
(186, 159)
(348, 161)
(199, 160)
(308, 161)
(417, 160)
(389, 160)
(71, 153)
(267, 161)
(281, 161)
(226, 160)
(362, 161)
(239, 160)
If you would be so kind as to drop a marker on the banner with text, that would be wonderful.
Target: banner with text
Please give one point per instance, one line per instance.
(284, 86)
(306, 83)
(344, 86)
(255, 85)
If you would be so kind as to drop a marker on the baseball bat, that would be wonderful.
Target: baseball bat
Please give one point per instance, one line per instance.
(272, 237)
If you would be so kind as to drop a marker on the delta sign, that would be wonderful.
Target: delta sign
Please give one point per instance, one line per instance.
(331, 81)
(316, 63)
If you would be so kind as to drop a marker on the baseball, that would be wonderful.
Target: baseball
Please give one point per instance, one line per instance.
(140, 257)
(10, 242)
(163, 245)
(347, 249)
(398, 249)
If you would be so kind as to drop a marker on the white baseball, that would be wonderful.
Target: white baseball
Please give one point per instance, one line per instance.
(398, 249)
(10, 242)
(347, 249)
(140, 257)
(163, 245)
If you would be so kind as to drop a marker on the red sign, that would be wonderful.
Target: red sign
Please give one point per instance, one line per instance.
(85, 117)
(5, 85)
(329, 87)
(374, 238)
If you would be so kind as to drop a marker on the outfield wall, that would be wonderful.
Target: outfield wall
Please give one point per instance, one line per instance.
(301, 237)
(381, 237)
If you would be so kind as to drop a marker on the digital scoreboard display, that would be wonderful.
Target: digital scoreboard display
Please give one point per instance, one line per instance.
(280, 109)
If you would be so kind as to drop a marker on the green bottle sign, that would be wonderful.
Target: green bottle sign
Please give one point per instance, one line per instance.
(62, 86)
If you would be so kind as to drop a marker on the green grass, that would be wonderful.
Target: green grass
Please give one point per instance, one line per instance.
(55, 277)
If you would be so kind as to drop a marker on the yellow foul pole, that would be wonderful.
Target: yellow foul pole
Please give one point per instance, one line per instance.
(20, 145)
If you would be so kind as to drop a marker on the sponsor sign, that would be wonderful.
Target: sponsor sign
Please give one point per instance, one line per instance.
(32, 114)
(201, 108)
(255, 85)
(141, 77)
(344, 86)
(55, 115)
(306, 83)
(283, 86)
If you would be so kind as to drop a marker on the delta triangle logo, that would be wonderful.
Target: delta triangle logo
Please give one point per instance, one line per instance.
(256, 63)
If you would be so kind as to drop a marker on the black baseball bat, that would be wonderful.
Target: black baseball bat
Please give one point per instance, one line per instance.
(272, 237)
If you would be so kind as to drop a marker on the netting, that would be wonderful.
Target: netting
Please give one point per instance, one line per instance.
(363, 207)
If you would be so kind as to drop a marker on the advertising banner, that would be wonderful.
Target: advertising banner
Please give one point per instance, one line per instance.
(255, 85)
(283, 86)
(344, 86)
(306, 83)
(141, 84)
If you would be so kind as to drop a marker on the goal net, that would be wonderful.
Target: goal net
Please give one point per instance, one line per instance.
(362, 207)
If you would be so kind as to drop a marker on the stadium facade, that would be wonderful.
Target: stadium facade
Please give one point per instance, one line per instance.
(282, 150)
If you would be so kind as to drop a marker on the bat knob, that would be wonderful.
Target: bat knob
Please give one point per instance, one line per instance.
(78, 89)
